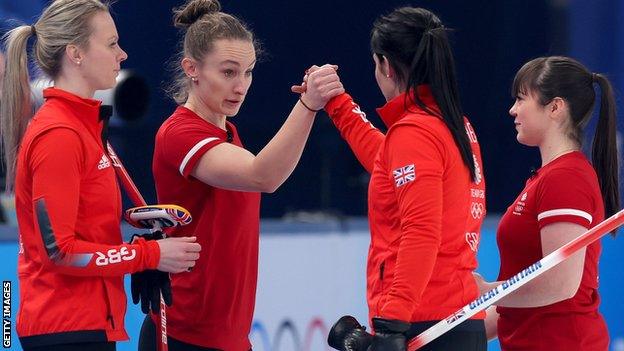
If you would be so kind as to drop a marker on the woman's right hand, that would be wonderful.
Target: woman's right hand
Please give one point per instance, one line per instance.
(178, 254)
(319, 85)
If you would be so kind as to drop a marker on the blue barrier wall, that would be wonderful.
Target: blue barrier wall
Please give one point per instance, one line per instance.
(311, 274)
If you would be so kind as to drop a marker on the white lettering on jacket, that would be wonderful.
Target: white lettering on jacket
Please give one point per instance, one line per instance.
(113, 256)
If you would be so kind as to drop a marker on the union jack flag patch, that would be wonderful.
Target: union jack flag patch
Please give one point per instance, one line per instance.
(181, 216)
(404, 175)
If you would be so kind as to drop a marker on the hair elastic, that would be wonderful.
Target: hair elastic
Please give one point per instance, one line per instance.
(306, 106)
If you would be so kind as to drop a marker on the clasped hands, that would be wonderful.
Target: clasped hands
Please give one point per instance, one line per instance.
(318, 86)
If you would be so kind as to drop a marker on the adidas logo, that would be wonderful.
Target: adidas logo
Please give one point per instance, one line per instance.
(104, 163)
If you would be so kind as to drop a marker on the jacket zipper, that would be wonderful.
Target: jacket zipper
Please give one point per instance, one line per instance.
(108, 306)
(112, 321)
(381, 287)
(381, 270)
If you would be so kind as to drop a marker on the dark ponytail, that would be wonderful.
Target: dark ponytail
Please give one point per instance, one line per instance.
(416, 44)
(564, 77)
(442, 79)
(604, 148)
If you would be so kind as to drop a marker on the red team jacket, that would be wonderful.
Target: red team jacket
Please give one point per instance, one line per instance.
(71, 270)
(213, 305)
(424, 211)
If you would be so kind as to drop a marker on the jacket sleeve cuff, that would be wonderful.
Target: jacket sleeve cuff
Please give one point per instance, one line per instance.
(151, 253)
(335, 103)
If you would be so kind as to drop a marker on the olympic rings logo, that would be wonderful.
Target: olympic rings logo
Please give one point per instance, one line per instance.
(288, 327)
(476, 209)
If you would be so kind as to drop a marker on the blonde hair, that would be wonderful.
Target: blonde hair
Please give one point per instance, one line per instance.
(204, 23)
(62, 23)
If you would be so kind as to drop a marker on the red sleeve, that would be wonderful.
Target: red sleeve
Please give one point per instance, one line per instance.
(56, 161)
(564, 195)
(363, 138)
(414, 157)
(185, 144)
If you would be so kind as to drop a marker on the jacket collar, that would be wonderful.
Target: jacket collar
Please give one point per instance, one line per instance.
(87, 111)
(395, 109)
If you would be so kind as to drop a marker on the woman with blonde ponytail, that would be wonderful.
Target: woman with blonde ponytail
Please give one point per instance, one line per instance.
(72, 259)
(16, 107)
(1, 70)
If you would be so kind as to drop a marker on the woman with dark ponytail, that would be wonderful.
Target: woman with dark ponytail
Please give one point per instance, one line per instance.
(426, 196)
(200, 163)
(564, 198)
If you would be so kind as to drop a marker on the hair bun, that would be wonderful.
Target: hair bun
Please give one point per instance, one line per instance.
(185, 15)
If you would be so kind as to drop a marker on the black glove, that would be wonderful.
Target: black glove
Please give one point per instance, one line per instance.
(389, 335)
(147, 286)
(348, 335)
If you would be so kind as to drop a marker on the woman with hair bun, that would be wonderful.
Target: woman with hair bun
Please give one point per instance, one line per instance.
(200, 163)
(72, 259)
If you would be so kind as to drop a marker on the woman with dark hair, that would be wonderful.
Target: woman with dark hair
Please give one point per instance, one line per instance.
(72, 258)
(560, 201)
(201, 164)
(426, 197)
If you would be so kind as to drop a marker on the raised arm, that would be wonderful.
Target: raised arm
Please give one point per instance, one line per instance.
(363, 138)
(231, 167)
